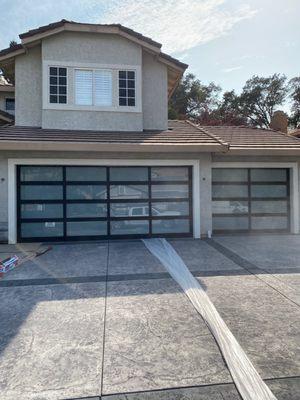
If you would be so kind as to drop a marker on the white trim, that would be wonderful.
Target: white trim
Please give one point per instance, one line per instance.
(293, 166)
(12, 184)
(71, 106)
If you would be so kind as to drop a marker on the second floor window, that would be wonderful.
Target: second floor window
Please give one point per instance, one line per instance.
(127, 88)
(10, 106)
(58, 85)
(93, 87)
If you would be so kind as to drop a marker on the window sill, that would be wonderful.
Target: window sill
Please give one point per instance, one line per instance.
(71, 107)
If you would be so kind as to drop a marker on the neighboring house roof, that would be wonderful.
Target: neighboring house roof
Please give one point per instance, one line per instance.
(182, 136)
(5, 86)
(6, 117)
(34, 36)
(295, 133)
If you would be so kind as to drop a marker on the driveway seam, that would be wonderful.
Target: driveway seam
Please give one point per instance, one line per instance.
(252, 268)
(111, 278)
(104, 320)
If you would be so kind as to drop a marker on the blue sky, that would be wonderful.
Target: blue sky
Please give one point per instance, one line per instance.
(226, 41)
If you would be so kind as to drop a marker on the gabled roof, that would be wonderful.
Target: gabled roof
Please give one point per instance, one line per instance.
(34, 36)
(181, 136)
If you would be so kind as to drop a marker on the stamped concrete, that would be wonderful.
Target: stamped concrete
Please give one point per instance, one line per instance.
(155, 339)
(51, 341)
(52, 335)
(200, 257)
(131, 257)
(266, 324)
(275, 252)
(64, 260)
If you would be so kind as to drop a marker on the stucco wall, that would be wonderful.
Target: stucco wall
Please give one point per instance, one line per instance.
(92, 120)
(28, 88)
(155, 93)
(97, 49)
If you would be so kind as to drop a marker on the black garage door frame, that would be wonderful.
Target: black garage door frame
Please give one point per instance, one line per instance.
(108, 201)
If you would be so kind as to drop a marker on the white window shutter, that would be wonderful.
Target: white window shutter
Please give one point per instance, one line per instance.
(103, 88)
(84, 87)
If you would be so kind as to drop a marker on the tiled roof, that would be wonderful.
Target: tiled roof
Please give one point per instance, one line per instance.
(245, 137)
(54, 25)
(179, 133)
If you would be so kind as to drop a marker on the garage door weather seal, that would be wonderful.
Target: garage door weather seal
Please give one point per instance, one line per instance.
(247, 380)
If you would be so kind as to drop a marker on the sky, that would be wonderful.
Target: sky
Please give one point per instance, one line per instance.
(225, 41)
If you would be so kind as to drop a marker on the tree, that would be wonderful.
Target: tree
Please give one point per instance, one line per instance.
(261, 97)
(192, 99)
(8, 73)
(294, 89)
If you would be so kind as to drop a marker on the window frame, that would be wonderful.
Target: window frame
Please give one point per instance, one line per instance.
(93, 70)
(12, 112)
(71, 105)
(58, 85)
(127, 98)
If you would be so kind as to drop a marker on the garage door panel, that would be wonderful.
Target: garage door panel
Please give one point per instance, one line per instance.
(260, 203)
(103, 202)
(41, 192)
(42, 229)
(43, 210)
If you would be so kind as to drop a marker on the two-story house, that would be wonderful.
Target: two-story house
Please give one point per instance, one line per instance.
(92, 154)
(7, 102)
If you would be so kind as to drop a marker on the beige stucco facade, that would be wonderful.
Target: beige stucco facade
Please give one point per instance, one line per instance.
(87, 50)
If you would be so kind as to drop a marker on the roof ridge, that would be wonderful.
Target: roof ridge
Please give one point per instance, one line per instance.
(215, 137)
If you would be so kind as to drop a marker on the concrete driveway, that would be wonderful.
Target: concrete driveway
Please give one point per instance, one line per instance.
(105, 319)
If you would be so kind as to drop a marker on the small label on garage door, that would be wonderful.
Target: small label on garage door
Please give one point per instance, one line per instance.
(50, 224)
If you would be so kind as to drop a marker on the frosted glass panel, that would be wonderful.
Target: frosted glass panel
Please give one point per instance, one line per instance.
(170, 226)
(269, 175)
(169, 174)
(39, 173)
(86, 174)
(41, 192)
(229, 175)
(87, 228)
(128, 174)
(86, 192)
(129, 192)
(41, 210)
(86, 210)
(41, 229)
(140, 227)
(223, 191)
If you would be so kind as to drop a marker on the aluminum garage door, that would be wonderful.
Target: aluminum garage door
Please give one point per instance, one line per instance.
(251, 200)
(91, 202)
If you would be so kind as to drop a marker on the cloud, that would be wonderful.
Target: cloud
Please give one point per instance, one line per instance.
(179, 25)
(232, 69)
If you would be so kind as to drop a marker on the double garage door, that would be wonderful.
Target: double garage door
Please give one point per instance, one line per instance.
(88, 202)
(250, 200)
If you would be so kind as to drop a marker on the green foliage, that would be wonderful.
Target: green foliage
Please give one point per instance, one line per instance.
(294, 89)
(259, 99)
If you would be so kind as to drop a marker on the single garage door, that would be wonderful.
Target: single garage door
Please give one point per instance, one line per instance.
(93, 202)
(250, 200)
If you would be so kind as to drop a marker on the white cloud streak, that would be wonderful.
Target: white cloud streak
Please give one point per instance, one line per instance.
(179, 25)
(232, 69)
